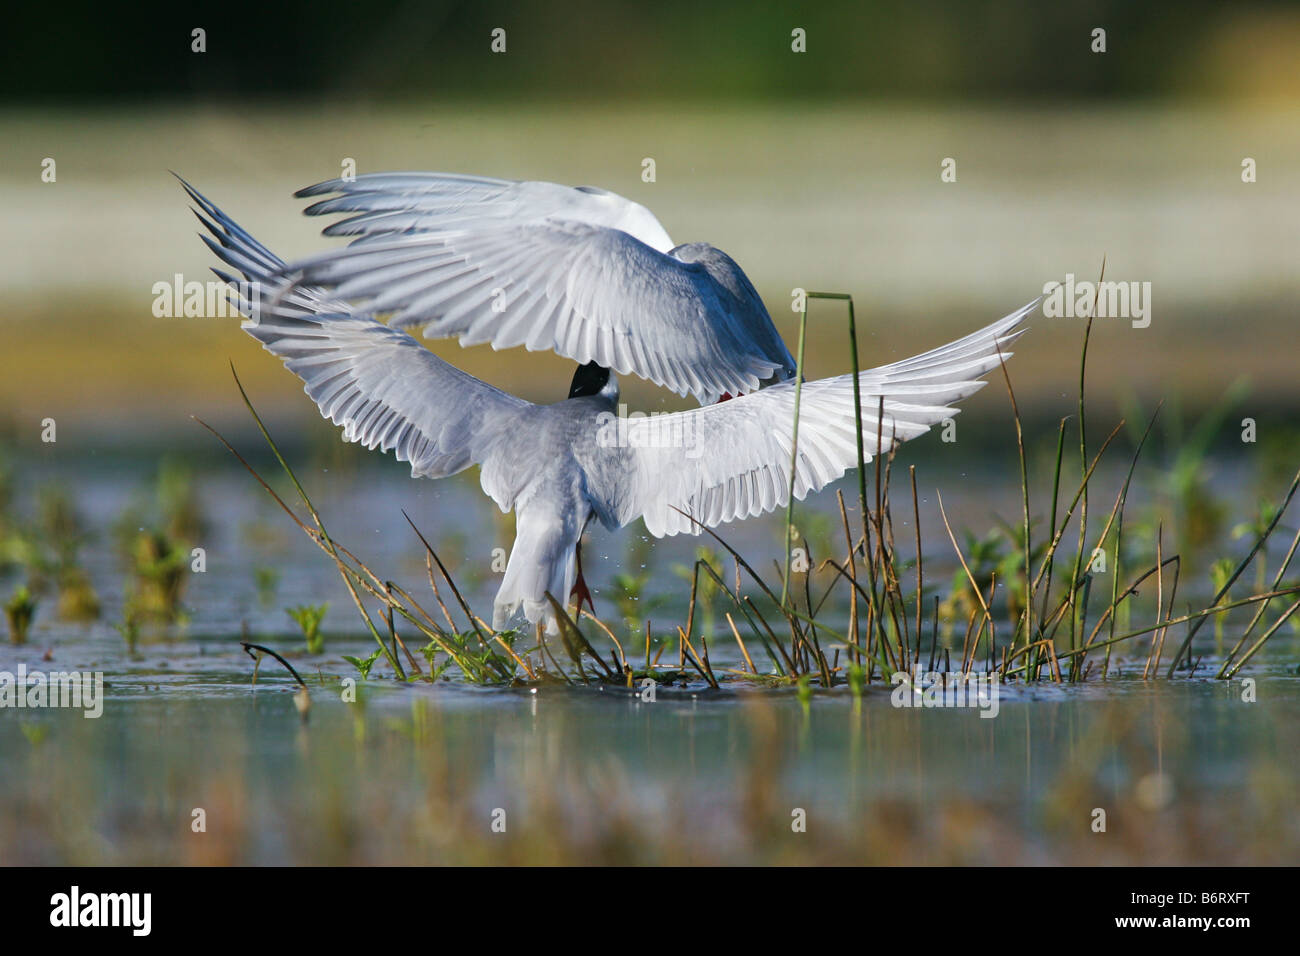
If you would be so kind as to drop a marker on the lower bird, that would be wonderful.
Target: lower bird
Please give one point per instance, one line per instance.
(564, 465)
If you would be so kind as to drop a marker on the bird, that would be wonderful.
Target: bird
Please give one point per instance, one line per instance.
(595, 278)
(579, 271)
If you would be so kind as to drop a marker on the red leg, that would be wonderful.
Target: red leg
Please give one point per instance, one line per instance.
(580, 586)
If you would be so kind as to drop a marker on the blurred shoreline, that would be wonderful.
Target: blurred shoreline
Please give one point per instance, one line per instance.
(1040, 193)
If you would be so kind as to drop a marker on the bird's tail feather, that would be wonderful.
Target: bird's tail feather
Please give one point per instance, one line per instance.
(543, 560)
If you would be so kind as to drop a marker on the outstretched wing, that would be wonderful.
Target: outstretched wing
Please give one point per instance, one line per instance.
(732, 460)
(581, 272)
(386, 389)
(385, 204)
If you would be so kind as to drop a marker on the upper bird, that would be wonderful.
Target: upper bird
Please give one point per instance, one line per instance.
(590, 275)
(574, 270)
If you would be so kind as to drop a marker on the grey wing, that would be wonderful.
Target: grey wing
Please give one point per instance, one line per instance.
(732, 460)
(386, 204)
(573, 283)
(383, 387)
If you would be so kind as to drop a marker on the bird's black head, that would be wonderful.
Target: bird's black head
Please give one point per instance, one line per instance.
(588, 380)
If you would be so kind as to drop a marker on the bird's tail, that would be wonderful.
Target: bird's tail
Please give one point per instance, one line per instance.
(543, 559)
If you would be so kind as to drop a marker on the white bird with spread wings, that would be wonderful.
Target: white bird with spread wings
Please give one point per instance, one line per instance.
(593, 277)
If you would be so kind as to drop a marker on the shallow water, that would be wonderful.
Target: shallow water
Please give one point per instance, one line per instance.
(1185, 770)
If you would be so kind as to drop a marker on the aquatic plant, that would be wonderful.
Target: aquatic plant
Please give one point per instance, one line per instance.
(129, 628)
(20, 609)
(78, 600)
(363, 664)
(178, 502)
(48, 550)
(160, 570)
(308, 618)
(155, 536)
(267, 580)
(1024, 604)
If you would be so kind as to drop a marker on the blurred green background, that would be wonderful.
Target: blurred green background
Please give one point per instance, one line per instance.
(587, 49)
(818, 170)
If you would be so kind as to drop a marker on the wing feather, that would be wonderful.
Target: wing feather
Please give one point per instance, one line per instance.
(383, 387)
(732, 460)
(579, 271)
(386, 204)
